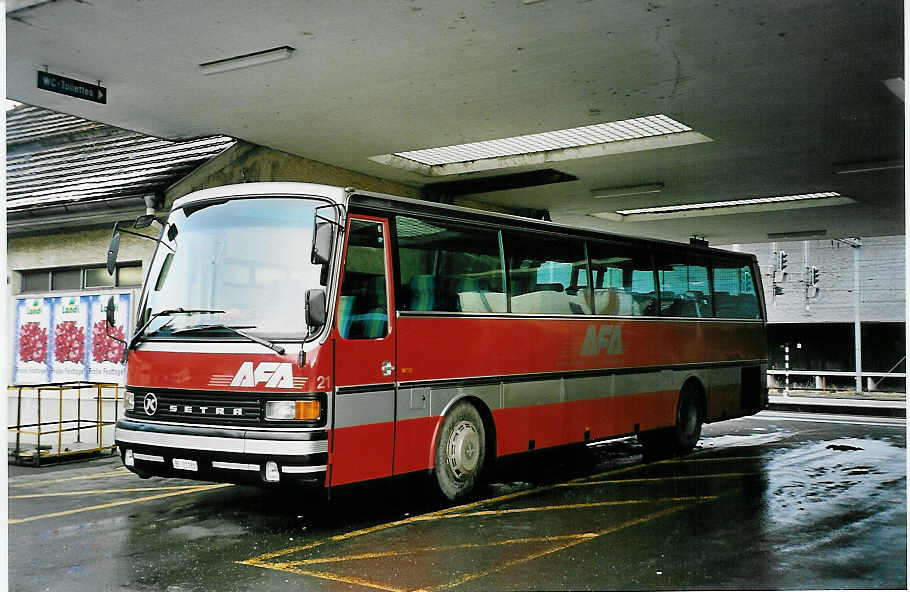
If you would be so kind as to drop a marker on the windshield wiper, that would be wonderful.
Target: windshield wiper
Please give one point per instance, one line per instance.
(236, 330)
(165, 313)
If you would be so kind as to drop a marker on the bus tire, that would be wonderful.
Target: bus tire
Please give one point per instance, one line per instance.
(685, 434)
(682, 437)
(460, 451)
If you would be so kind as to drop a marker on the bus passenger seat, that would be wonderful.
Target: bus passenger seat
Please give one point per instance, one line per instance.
(423, 292)
(606, 301)
(345, 315)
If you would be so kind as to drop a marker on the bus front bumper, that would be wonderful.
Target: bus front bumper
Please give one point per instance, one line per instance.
(230, 455)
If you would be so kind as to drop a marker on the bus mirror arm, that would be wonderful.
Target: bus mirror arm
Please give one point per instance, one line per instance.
(110, 323)
(114, 246)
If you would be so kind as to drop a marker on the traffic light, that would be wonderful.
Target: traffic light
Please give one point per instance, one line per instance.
(782, 260)
(813, 276)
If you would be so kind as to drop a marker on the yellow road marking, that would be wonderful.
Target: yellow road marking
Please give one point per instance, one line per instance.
(327, 575)
(697, 498)
(651, 479)
(381, 554)
(716, 459)
(457, 511)
(116, 473)
(531, 557)
(99, 491)
(117, 503)
(566, 541)
(423, 517)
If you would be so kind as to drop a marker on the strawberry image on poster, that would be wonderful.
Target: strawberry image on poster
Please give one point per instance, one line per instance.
(69, 342)
(32, 342)
(105, 348)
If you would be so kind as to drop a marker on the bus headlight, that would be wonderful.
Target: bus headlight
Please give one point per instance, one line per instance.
(129, 400)
(289, 410)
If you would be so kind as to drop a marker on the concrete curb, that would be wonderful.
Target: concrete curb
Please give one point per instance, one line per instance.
(873, 407)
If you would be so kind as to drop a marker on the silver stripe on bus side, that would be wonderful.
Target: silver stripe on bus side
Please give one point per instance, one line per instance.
(413, 402)
(299, 469)
(217, 464)
(364, 408)
(216, 444)
(148, 457)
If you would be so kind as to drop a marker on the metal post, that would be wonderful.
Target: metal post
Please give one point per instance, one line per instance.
(787, 369)
(59, 425)
(38, 446)
(19, 425)
(78, 415)
(857, 327)
(98, 415)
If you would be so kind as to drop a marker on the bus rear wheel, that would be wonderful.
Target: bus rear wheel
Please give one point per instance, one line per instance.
(683, 436)
(460, 451)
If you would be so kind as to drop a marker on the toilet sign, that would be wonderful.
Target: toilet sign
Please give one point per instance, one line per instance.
(71, 87)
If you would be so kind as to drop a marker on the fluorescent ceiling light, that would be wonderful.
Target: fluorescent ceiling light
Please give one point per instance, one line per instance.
(247, 60)
(711, 208)
(623, 191)
(628, 135)
(798, 234)
(725, 204)
(868, 167)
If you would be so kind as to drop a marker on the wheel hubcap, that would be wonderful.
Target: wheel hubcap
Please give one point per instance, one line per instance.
(463, 450)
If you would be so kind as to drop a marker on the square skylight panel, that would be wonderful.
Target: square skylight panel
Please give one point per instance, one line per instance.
(589, 135)
(591, 141)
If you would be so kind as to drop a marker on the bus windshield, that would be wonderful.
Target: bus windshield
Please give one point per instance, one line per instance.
(244, 263)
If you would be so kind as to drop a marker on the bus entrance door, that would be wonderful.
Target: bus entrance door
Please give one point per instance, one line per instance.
(363, 419)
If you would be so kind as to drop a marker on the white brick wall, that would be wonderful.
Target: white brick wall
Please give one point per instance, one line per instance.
(882, 272)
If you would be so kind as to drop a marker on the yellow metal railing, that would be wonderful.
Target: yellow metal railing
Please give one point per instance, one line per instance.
(98, 394)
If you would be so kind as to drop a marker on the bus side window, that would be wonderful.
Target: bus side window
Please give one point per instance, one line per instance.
(540, 275)
(734, 292)
(685, 290)
(448, 267)
(624, 283)
(363, 302)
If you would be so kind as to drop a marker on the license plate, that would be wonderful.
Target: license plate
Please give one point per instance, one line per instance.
(186, 465)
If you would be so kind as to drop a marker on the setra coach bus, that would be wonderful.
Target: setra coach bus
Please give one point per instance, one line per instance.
(292, 332)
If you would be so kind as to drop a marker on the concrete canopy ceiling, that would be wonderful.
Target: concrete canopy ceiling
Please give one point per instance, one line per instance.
(787, 91)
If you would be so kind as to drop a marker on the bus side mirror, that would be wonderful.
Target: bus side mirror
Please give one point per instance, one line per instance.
(112, 251)
(315, 308)
(109, 312)
(144, 221)
(322, 244)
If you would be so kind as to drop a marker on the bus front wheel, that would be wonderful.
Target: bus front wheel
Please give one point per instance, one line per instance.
(460, 451)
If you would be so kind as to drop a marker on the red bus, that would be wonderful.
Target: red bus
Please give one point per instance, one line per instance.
(294, 333)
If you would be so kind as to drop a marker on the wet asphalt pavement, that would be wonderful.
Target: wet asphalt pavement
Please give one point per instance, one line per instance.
(775, 501)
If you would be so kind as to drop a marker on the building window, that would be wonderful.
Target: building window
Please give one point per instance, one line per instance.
(78, 278)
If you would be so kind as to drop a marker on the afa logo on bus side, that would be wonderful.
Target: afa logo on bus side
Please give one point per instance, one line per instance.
(606, 338)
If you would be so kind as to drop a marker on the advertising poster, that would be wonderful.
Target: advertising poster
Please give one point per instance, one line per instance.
(103, 353)
(31, 355)
(65, 339)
